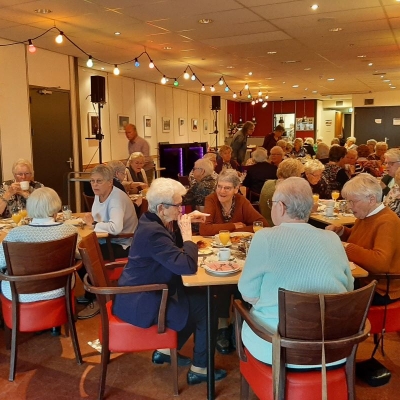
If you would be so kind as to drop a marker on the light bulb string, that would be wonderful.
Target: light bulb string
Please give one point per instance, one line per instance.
(135, 59)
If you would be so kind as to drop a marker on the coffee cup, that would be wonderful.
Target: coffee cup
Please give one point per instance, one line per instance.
(24, 185)
(329, 212)
(224, 254)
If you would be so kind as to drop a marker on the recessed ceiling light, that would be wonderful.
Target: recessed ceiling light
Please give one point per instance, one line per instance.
(167, 48)
(370, 64)
(102, 68)
(250, 73)
(268, 79)
(43, 11)
(117, 33)
(393, 87)
(314, 7)
(295, 86)
(271, 52)
(330, 79)
(230, 66)
(362, 56)
(314, 91)
(205, 21)
(306, 88)
(335, 29)
(386, 80)
(390, 84)
(307, 69)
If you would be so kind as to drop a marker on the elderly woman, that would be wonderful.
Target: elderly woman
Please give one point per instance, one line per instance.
(205, 183)
(309, 146)
(392, 200)
(42, 206)
(135, 176)
(372, 242)
(119, 173)
(225, 161)
(267, 269)
(298, 148)
(392, 161)
(228, 209)
(208, 156)
(371, 143)
(351, 143)
(277, 155)
(334, 174)
(239, 142)
(261, 171)
(161, 252)
(14, 196)
(286, 169)
(313, 170)
(322, 153)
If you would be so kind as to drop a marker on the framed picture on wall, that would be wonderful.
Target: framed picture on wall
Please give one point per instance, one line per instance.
(194, 125)
(123, 120)
(93, 124)
(205, 126)
(181, 126)
(166, 124)
(147, 125)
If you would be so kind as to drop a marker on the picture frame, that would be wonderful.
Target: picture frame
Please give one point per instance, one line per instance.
(194, 125)
(182, 127)
(205, 126)
(147, 125)
(123, 120)
(93, 124)
(166, 124)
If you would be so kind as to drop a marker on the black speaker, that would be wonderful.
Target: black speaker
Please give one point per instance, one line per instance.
(98, 89)
(215, 103)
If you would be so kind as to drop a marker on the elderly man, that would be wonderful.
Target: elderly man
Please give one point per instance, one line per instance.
(138, 144)
(372, 241)
(239, 142)
(392, 161)
(379, 154)
(272, 138)
(276, 155)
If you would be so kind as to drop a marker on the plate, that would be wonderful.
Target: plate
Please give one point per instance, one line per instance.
(219, 245)
(205, 252)
(222, 268)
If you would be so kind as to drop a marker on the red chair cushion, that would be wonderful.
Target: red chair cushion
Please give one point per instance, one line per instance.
(376, 313)
(114, 274)
(299, 385)
(125, 337)
(38, 315)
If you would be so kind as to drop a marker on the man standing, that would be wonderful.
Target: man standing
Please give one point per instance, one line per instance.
(136, 143)
(239, 142)
(272, 138)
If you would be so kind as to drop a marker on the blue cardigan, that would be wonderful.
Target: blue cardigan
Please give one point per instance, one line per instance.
(155, 257)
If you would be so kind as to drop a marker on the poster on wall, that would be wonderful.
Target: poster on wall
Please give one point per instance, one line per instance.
(182, 127)
(147, 125)
(205, 126)
(93, 124)
(166, 124)
(194, 125)
(305, 124)
(123, 121)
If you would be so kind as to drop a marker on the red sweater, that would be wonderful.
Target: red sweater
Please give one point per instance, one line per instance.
(374, 245)
(244, 212)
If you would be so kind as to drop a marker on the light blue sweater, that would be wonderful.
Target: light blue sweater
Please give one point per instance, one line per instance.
(293, 256)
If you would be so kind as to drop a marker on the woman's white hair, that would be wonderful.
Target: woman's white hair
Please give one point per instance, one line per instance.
(105, 171)
(117, 166)
(392, 154)
(206, 165)
(229, 175)
(362, 186)
(296, 194)
(134, 156)
(259, 155)
(210, 156)
(162, 191)
(313, 166)
(351, 139)
(42, 203)
(22, 162)
(290, 167)
(309, 140)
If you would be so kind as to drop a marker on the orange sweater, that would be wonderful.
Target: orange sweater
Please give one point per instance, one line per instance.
(374, 245)
(244, 212)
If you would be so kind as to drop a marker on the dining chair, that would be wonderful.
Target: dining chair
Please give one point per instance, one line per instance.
(184, 179)
(34, 268)
(115, 334)
(89, 200)
(313, 329)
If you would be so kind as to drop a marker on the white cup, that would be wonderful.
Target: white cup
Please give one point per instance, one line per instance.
(224, 254)
(330, 203)
(329, 212)
(24, 185)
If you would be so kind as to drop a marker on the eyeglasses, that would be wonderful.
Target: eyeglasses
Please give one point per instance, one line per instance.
(271, 202)
(194, 168)
(179, 205)
(226, 188)
(98, 181)
(24, 174)
(390, 164)
(314, 175)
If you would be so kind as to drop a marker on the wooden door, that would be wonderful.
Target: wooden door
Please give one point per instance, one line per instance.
(52, 154)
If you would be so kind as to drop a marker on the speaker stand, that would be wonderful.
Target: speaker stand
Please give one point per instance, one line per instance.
(99, 136)
(216, 131)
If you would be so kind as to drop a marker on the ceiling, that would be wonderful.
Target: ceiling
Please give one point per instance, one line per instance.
(283, 43)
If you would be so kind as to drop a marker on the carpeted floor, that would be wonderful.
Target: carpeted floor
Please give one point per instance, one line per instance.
(47, 370)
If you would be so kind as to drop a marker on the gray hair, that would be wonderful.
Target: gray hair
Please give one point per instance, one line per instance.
(42, 203)
(362, 186)
(322, 150)
(373, 141)
(296, 194)
(289, 167)
(211, 156)
(229, 175)
(309, 140)
(259, 155)
(105, 171)
(351, 139)
(117, 166)
(23, 163)
(313, 166)
(134, 156)
(393, 154)
(206, 165)
(162, 191)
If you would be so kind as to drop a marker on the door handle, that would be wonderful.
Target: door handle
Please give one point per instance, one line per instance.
(70, 162)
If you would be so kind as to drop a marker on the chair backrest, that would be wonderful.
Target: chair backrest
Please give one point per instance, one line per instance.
(184, 179)
(89, 200)
(24, 258)
(301, 319)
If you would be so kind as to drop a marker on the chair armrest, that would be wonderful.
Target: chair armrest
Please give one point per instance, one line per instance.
(120, 235)
(114, 265)
(39, 277)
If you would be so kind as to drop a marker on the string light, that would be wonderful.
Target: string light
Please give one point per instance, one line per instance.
(137, 63)
(253, 102)
(249, 96)
(186, 75)
(221, 81)
(260, 93)
(212, 88)
(193, 78)
(60, 38)
(203, 88)
(226, 88)
(246, 86)
(31, 46)
(89, 62)
(176, 83)
(234, 95)
(264, 105)
(266, 97)
(164, 80)
(116, 70)
(151, 64)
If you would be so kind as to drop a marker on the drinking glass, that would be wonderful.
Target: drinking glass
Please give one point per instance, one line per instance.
(16, 217)
(335, 194)
(67, 213)
(315, 198)
(23, 213)
(257, 225)
(224, 237)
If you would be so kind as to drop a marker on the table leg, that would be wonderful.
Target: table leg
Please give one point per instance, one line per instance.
(210, 347)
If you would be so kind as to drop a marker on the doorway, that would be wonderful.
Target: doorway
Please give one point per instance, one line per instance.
(52, 139)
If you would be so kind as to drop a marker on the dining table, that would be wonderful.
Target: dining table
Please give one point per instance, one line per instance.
(320, 220)
(205, 279)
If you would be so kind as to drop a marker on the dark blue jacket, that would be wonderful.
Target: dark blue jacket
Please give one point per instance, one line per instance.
(155, 257)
